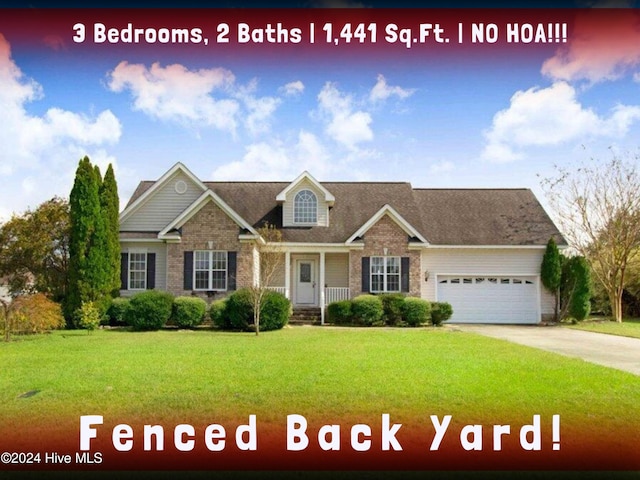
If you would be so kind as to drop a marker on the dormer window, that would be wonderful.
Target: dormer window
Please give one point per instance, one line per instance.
(305, 207)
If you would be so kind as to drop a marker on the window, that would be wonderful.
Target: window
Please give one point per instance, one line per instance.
(385, 274)
(210, 270)
(305, 207)
(137, 270)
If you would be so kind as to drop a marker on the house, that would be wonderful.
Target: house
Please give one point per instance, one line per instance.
(478, 249)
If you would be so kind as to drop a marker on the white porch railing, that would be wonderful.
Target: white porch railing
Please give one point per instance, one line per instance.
(282, 290)
(335, 294)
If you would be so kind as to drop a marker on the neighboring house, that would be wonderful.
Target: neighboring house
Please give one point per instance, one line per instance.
(479, 249)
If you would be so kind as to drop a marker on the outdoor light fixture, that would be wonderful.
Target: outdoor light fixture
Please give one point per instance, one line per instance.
(426, 275)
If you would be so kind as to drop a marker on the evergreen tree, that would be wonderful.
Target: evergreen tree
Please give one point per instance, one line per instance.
(551, 273)
(110, 206)
(87, 240)
(580, 303)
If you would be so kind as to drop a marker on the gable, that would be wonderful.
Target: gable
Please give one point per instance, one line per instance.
(158, 207)
(288, 207)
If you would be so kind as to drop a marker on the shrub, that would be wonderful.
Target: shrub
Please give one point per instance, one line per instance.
(33, 314)
(239, 310)
(88, 316)
(275, 311)
(218, 315)
(149, 310)
(116, 311)
(339, 312)
(366, 310)
(392, 307)
(440, 312)
(415, 311)
(188, 312)
(274, 314)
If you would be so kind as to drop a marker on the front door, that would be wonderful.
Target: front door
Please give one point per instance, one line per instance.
(306, 282)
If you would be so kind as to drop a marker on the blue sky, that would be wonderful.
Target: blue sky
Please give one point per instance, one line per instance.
(472, 117)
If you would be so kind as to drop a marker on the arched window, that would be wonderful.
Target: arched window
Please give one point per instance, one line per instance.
(305, 207)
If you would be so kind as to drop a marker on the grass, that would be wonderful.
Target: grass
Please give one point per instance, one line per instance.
(330, 375)
(168, 375)
(630, 327)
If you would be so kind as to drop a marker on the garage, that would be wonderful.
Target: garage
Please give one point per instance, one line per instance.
(490, 299)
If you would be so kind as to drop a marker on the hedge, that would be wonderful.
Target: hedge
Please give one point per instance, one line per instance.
(366, 310)
(339, 312)
(237, 311)
(188, 312)
(416, 311)
(149, 310)
(440, 312)
(392, 307)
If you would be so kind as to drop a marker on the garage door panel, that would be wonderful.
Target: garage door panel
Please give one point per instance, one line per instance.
(490, 299)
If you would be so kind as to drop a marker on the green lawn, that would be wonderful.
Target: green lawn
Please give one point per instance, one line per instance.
(336, 375)
(630, 327)
(315, 371)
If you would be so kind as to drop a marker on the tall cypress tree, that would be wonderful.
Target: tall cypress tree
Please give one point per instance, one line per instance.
(110, 206)
(87, 260)
(551, 273)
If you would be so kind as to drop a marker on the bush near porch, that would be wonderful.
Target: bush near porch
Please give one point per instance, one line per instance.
(389, 309)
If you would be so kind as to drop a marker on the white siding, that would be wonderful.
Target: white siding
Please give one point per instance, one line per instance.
(336, 270)
(483, 261)
(287, 207)
(163, 206)
(160, 249)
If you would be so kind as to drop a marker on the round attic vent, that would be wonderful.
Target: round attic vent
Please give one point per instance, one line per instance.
(181, 187)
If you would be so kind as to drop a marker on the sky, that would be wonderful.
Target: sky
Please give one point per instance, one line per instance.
(445, 112)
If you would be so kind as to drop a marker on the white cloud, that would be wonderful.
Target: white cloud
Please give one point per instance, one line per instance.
(344, 125)
(176, 93)
(595, 53)
(276, 160)
(550, 116)
(259, 109)
(382, 91)
(40, 153)
(293, 88)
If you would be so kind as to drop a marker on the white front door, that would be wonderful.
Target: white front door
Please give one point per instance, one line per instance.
(306, 282)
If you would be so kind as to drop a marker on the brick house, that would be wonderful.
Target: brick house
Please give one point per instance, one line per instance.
(479, 249)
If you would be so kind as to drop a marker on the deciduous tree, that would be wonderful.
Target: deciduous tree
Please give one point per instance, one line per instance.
(598, 210)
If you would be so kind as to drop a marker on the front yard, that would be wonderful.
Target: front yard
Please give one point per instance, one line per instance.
(329, 375)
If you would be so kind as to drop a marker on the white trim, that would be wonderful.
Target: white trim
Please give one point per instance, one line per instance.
(140, 240)
(396, 217)
(328, 196)
(137, 251)
(195, 207)
(158, 183)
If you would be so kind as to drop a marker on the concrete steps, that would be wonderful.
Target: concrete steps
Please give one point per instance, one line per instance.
(305, 316)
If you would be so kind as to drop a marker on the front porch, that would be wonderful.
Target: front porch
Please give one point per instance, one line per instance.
(312, 280)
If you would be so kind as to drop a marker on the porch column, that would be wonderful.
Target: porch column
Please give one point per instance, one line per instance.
(322, 292)
(287, 274)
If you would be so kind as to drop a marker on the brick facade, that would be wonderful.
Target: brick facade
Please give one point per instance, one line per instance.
(385, 234)
(209, 224)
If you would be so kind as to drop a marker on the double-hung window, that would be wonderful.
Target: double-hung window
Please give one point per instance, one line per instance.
(385, 274)
(137, 270)
(210, 270)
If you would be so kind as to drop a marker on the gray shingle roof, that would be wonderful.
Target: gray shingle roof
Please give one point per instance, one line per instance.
(442, 216)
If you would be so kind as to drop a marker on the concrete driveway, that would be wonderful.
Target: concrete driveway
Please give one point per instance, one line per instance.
(612, 351)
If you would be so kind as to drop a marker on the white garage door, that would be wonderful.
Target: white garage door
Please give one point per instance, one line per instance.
(477, 299)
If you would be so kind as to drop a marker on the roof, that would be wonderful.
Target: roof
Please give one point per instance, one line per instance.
(456, 217)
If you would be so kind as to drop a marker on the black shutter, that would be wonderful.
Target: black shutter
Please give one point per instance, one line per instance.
(151, 271)
(124, 271)
(232, 267)
(366, 274)
(404, 274)
(188, 270)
